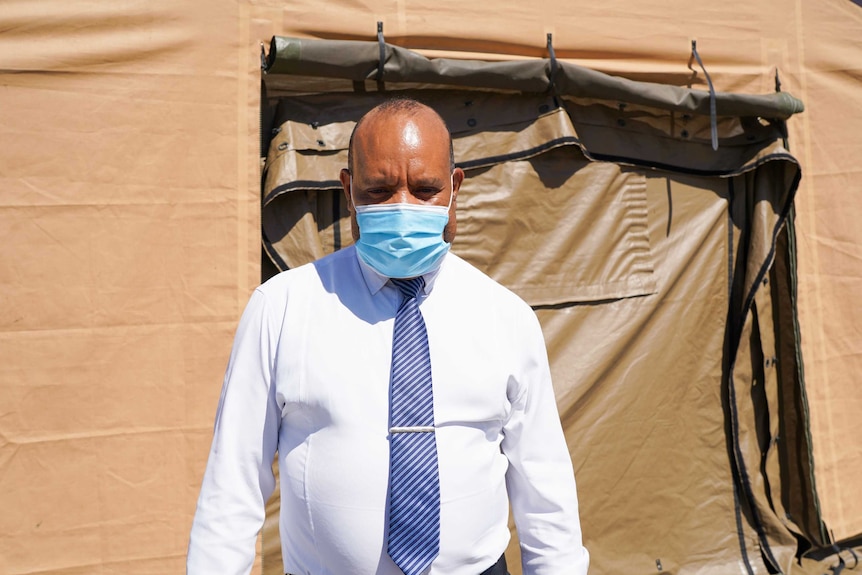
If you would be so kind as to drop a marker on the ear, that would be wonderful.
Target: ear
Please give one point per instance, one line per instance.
(452, 227)
(344, 176)
(457, 180)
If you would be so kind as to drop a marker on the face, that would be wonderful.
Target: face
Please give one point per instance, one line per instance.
(402, 158)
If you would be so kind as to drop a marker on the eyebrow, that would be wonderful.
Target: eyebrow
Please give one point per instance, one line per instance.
(430, 181)
(420, 181)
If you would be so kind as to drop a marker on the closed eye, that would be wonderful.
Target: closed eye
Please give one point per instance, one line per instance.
(427, 192)
(377, 193)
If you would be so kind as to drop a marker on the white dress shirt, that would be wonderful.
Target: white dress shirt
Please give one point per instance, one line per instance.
(309, 377)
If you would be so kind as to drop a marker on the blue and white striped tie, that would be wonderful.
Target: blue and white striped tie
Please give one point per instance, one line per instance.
(414, 483)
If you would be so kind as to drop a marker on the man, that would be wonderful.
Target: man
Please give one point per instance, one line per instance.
(407, 413)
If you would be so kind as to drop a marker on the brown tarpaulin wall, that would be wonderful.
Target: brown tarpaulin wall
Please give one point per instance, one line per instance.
(130, 181)
(646, 254)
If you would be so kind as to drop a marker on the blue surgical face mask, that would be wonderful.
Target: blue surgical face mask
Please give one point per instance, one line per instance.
(402, 240)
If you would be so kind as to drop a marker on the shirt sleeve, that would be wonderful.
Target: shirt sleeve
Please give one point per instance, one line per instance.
(239, 478)
(540, 478)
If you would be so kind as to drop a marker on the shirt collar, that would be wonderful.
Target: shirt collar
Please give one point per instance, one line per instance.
(375, 281)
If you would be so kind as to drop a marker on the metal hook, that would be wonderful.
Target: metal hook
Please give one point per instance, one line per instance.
(713, 121)
(553, 57)
(382, 58)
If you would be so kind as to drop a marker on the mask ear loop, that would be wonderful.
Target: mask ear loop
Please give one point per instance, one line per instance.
(451, 190)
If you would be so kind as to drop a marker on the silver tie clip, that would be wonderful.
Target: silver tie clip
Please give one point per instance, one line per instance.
(413, 429)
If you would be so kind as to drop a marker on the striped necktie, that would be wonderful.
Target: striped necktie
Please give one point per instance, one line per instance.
(414, 484)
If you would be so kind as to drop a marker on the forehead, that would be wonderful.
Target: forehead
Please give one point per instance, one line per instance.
(391, 135)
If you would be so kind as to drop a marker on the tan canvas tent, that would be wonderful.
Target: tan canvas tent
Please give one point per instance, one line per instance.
(697, 303)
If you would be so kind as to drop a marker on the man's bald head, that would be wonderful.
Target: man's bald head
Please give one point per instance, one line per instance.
(394, 107)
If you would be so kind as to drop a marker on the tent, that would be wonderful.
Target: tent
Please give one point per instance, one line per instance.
(684, 230)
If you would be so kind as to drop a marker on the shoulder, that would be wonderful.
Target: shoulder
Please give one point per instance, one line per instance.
(478, 289)
(475, 306)
(311, 277)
